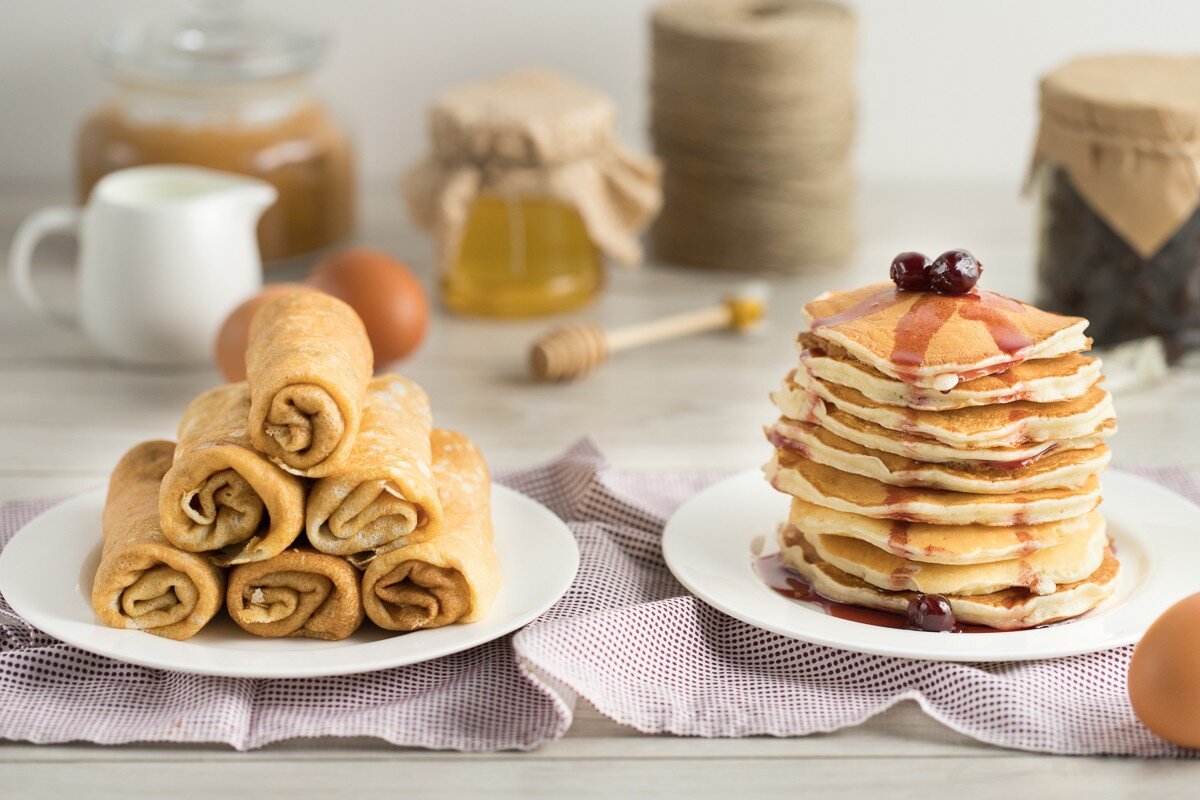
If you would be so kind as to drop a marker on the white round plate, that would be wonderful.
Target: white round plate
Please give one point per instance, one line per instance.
(707, 544)
(46, 575)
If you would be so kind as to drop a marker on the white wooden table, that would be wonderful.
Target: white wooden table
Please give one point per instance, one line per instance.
(66, 416)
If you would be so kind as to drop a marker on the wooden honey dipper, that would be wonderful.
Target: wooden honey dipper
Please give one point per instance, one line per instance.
(573, 350)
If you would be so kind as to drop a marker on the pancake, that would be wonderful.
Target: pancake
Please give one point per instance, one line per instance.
(1044, 380)
(797, 404)
(992, 426)
(1062, 466)
(937, 341)
(1076, 557)
(817, 483)
(939, 544)
(1009, 609)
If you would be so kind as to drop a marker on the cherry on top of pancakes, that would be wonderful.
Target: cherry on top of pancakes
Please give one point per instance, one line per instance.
(953, 272)
(928, 297)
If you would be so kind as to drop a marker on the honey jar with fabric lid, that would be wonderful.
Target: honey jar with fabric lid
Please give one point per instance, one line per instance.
(219, 89)
(526, 192)
(1117, 163)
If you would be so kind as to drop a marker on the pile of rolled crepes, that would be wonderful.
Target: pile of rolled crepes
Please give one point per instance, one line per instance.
(303, 499)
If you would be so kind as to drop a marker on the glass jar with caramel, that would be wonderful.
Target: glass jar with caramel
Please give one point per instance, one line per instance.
(220, 90)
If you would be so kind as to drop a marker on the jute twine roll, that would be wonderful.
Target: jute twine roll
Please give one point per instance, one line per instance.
(753, 119)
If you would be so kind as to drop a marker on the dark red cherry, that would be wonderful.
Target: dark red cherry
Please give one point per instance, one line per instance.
(910, 272)
(930, 612)
(954, 272)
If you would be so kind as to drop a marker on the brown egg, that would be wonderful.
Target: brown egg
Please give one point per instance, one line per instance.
(231, 339)
(384, 292)
(1164, 675)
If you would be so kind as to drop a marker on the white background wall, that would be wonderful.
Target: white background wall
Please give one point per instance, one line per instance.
(947, 87)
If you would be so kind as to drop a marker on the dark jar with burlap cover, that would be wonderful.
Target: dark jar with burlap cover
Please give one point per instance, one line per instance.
(1118, 163)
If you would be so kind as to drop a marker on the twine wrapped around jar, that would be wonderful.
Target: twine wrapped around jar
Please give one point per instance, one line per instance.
(532, 134)
(753, 118)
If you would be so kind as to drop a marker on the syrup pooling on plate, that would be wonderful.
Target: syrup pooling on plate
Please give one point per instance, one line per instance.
(792, 585)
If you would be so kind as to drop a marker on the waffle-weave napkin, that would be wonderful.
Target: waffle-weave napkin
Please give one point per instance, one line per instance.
(626, 636)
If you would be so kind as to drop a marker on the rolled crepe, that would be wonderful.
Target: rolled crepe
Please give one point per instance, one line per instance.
(308, 362)
(453, 577)
(385, 496)
(296, 593)
(144, 582)
(221, 496)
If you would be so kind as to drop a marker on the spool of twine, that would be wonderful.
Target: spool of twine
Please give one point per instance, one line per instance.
(753, 118)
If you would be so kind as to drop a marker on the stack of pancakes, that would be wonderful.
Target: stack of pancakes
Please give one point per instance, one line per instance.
(945, 444)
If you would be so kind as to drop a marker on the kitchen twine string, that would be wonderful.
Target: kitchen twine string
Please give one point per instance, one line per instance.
(753, 118)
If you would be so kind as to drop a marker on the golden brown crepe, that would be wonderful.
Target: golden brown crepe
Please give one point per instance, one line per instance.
(385, 496)
(299, 592)
(144, 582)
(308, 362)
(222, 496)
(455, 576)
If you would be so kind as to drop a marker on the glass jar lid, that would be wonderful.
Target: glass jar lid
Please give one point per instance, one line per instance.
(212, 41)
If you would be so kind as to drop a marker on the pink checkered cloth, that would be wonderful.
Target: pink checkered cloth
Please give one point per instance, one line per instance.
(627, 637)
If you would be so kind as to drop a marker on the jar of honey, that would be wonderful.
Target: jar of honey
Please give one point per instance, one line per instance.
(526, 192)
(522, 257)
(220, 90)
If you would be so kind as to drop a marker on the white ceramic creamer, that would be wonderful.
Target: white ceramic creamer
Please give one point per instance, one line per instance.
(165, 254)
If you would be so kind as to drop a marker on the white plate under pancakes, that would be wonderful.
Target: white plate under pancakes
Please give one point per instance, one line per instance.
(46, 575)
(708, 546)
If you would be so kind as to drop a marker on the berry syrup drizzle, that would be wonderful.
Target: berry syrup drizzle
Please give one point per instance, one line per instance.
(927, 314)
(793, 586)
(784, 442)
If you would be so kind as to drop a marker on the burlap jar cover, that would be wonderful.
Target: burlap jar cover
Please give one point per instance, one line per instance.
(1126, 131)
(532, 134)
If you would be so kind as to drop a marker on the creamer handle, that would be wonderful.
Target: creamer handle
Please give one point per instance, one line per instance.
(34, 228)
